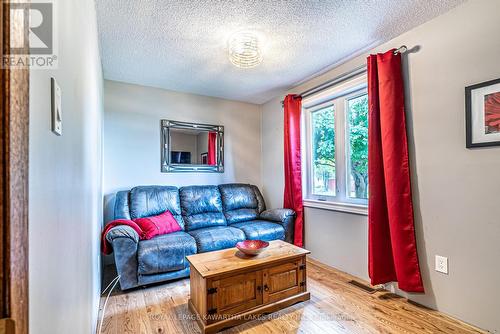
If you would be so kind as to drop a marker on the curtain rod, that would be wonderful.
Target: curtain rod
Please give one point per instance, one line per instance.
(341, 78)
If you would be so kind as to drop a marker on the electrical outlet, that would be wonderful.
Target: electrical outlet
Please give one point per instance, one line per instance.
(442, 264)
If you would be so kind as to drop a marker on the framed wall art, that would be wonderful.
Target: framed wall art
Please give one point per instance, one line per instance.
(482, 112)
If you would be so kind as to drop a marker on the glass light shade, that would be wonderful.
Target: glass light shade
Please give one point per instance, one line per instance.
(244, 49)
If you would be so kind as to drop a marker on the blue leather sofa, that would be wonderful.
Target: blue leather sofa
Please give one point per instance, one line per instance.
(212, 218)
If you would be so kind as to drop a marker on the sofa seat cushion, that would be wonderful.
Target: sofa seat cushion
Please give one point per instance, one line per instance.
(217, 237)
(165, 253)
(261, 230)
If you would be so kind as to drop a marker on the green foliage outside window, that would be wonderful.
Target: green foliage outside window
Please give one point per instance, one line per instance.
(358, 141)
(323, 150)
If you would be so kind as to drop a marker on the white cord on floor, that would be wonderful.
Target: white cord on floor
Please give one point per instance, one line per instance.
(114, 282)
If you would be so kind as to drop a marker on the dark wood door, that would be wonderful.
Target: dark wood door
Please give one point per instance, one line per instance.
(14, 113)
(282, 281)
(235, 294)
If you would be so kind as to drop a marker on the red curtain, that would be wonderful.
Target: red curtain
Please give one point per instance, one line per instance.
(212, 144)
(293, 168)
(392, 245)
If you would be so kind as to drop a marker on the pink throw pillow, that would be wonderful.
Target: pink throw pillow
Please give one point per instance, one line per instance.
(164, 223)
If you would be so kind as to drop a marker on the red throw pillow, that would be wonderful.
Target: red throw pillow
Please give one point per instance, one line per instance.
(158, 225)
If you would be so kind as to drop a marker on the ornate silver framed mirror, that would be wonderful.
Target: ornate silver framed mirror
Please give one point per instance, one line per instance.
(191, 147)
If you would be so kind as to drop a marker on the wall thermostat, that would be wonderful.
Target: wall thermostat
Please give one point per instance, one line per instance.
(56, 108)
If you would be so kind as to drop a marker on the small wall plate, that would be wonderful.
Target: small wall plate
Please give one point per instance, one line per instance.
(56, 96)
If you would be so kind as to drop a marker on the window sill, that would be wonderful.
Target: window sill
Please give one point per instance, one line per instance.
(335, 206)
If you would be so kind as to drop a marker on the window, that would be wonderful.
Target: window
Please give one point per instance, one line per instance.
(336, 147)
(357, 146)
(323, 151)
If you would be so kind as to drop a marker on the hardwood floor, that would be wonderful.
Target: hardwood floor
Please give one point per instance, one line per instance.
(336, 306)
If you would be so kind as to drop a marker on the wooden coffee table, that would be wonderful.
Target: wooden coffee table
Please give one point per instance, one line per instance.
(229, 288)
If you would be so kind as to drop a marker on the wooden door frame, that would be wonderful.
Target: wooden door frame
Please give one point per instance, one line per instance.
(14, 116)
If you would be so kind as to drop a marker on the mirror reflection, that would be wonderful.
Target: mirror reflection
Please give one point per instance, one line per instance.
(192, 147)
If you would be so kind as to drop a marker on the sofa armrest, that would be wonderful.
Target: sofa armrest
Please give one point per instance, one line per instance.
(125, 241)
(277, 215)
(285, 217)
(122, 231)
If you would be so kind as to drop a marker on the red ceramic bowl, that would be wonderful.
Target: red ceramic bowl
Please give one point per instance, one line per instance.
(252, 247)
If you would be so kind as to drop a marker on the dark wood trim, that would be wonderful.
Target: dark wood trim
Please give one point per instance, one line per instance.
(14, 184)
(468, 115)
(3, 173)
(7, 326)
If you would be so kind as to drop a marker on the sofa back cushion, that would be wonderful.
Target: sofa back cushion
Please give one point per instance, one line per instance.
(240, 202)
(201, 207)
(121, 209)
(147, 201)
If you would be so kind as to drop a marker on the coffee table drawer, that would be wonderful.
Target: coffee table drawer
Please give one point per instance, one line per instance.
(283, 281)
(235, 294)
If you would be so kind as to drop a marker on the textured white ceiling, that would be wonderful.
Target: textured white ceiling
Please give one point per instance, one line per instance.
(181, 45)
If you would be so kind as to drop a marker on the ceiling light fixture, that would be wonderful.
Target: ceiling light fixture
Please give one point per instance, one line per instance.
(244, 49)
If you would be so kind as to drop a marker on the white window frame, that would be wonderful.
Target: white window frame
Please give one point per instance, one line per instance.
(341, 201)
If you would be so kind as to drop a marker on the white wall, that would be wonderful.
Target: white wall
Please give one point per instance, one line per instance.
(201, 145)
(455, 189)
(132, 117)
(65, 202)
